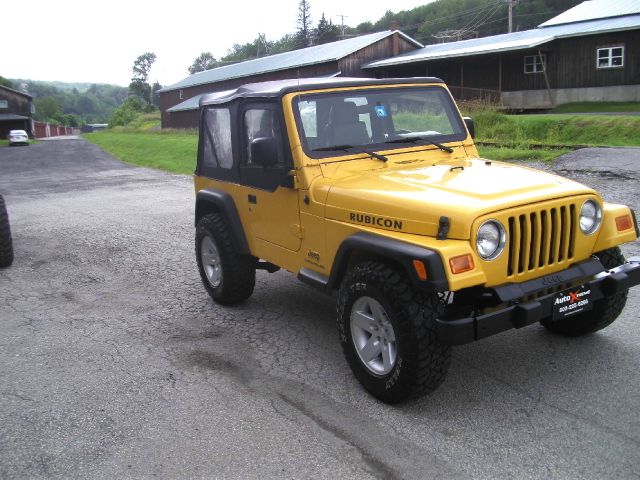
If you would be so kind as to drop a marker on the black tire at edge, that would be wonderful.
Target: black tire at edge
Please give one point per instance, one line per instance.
(238, 271)
(6, 242)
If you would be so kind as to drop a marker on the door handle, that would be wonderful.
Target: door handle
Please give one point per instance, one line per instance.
(252, 199)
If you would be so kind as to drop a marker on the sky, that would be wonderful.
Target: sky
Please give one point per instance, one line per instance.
(97, 42)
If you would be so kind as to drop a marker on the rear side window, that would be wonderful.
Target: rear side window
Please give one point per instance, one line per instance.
(217, 145)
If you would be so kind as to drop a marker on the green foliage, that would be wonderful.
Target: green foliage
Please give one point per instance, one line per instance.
(6, 82)
(89, 103)
(173, 151)
(139, 85)
(527, 130)
(597, 107)
(129, 112)
(303, 34)
(505, 153)
(205, 61)
(326, 31)
(466, 18)
(47, 108)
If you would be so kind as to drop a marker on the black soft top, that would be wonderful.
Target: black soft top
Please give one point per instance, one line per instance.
(278, 88)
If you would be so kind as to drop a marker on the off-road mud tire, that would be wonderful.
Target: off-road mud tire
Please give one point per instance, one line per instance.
(237, 272)
(422, 361)
(6, 243)
(604, 311)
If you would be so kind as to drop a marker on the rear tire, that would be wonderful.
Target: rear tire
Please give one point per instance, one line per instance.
(604, 311)
(6, 243)
(386, 328)
(228, 276)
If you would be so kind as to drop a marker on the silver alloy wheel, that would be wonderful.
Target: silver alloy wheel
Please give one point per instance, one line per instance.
(211, 261)
(373, 335)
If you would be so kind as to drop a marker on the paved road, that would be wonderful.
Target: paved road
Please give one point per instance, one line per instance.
(116, 364)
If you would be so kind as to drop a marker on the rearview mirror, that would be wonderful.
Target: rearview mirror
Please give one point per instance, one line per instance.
(468, 121)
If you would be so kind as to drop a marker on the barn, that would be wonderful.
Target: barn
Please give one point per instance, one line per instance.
(588, 53)
(16, 109)
(179, 102)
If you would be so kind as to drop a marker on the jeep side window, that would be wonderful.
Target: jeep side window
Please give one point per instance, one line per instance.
(261, 123)
(263, 120)
(217, 146)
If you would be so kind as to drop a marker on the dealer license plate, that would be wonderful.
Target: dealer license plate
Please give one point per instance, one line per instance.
(572, 302)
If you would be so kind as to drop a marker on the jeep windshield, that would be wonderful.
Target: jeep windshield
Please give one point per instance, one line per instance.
(377, 119)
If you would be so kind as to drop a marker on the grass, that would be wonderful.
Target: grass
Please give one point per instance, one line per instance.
(522, 137)
(146, 121)
(597, 107)
(505, 153)
(169, 150)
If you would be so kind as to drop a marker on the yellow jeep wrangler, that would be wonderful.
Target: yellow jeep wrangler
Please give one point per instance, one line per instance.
(373, 189)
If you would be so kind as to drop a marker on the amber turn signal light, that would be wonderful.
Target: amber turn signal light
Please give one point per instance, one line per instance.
(624, 223)
(461, 263)
(420, 269)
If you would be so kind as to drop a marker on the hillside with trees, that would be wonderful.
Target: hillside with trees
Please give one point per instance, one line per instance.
(71, 104)
(436, 22)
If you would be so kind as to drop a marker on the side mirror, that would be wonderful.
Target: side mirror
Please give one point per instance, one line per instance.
(468, 121)
(264, 151)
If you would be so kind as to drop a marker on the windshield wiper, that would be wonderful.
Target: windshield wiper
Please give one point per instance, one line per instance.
(425, 139)
(351, 147)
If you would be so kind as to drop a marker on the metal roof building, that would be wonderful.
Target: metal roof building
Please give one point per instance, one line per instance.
(178, 102)
(593, 46)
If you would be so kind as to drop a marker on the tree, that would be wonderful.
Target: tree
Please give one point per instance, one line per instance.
(326, 31)
(205, 61)
(47, 108)
(139, 85)
(304, 24)
(5, 82)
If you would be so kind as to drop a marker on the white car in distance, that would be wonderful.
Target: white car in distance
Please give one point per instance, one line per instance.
(18, 137)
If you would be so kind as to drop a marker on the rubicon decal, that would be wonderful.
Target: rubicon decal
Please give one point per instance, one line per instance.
(376, 221)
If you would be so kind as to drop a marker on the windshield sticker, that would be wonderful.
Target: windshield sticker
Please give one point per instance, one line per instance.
(381, 111)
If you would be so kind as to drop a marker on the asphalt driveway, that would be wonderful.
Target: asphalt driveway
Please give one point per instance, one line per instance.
(116, 364)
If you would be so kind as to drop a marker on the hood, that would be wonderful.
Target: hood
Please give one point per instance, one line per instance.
(412, 199)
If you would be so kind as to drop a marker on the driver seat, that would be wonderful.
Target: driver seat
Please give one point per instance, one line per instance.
(345, 127)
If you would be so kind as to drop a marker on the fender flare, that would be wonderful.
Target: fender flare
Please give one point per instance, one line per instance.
(210, 201)
(399, 252)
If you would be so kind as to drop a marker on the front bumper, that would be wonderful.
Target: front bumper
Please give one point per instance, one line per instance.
(517, 313)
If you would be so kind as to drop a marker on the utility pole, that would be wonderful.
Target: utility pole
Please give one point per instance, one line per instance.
(342, 17)
(512, 4)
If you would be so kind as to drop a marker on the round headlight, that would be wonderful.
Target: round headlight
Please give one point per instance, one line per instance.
(491, 239)
(590, 217)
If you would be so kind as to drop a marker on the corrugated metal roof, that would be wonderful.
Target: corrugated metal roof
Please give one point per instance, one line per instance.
(194, 102)
(191, 104)
(595, 9)
(298, 58)
(511, 41)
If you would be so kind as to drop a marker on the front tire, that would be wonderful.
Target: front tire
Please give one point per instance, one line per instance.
(386, 328)
(228, 276)
(604, 311)
(6, 243)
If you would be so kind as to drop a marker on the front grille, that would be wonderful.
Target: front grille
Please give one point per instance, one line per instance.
(541, 238)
